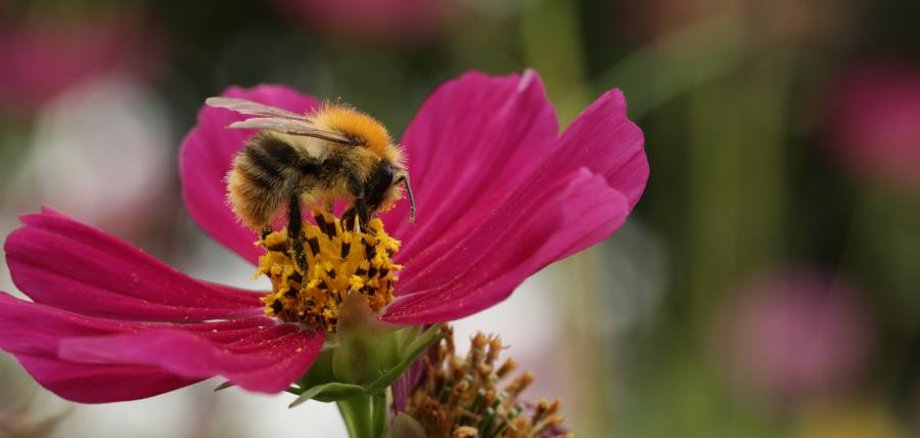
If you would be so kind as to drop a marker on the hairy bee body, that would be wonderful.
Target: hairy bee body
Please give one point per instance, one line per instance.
(270, 168)
(339, 153)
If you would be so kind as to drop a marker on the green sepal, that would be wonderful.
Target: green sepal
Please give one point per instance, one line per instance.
(365, 354)
(418, 344)
(365, 347)
(329, 392)
(320, 372)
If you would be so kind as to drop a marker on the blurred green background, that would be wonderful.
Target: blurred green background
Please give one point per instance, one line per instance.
(767, 285)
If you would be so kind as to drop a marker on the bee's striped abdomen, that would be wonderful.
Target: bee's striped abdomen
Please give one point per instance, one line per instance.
(264, 174)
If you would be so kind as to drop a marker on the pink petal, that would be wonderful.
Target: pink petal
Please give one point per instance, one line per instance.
(603, 140)
(403, 386)
(872, 121)
(33, 333)
(468, 147)
(493, 235)
(94, 360)
(486, 267)
(205, 159)
(265, 361)
(99, 383)
(63, 263)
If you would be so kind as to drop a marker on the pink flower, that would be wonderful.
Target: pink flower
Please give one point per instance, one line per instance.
(371, 20)
(796, 334)
(500, 196)
(873, 124)
(41, 58)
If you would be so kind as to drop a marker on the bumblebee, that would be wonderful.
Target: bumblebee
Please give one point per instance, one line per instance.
(335, 152)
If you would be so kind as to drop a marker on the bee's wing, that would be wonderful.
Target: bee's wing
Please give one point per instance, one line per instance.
(251, 108)
(272, 119)
(288, 126)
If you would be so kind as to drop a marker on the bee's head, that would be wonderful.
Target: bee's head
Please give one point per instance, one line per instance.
(384, 186)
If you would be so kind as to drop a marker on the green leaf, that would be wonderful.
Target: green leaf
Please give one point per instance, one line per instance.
(329, 392)
(421, 342)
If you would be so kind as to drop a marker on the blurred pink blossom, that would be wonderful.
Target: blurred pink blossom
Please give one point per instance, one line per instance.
(41, 58)
(874, 122)
(372, 20)
(795, 334)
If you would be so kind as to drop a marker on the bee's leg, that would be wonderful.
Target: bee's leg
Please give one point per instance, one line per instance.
(363, 215)
(348, 218)
(295, 230)
(265, 232)
(358, 210)
(356, 214)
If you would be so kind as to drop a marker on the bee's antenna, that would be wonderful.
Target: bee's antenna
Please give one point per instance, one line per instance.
(405, 181)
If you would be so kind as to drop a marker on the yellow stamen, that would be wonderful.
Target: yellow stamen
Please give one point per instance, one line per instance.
(339, 261)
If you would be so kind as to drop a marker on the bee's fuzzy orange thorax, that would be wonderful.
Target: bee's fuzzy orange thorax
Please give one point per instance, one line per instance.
(347, 120)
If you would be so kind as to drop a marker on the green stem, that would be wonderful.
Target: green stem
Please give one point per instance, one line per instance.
(737, 169)
(552, 45)
(364, 415)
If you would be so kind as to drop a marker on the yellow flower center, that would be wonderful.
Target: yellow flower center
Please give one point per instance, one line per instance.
(339, 261)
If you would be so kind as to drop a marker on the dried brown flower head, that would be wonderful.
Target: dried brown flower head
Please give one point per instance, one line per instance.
(464, 397)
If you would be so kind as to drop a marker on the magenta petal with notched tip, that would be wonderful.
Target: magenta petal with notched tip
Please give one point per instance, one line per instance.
(134, 327)
(505, 250)
(471, 143)
(553, 197)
